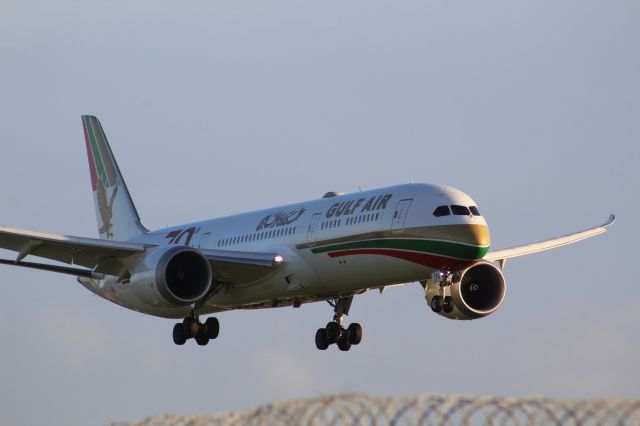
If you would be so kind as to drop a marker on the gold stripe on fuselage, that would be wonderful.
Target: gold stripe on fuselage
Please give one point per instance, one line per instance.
(472, 234)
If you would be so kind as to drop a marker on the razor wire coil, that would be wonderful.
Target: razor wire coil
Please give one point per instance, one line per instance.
(437, 410)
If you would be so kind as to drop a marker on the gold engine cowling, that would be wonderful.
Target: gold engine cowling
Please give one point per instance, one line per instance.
(475, 292)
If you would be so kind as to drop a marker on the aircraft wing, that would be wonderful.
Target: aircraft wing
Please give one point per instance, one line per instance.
(102, 256)
(87, 252)
(502, 255)
(240, 267)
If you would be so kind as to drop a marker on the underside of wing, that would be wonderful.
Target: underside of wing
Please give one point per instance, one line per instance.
(502, 255)
(239, 267)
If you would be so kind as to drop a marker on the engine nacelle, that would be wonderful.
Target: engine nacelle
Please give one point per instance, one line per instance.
(172, 276)
(472, 293)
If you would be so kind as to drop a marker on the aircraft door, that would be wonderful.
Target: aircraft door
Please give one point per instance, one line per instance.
(400, 215)
(313, 226)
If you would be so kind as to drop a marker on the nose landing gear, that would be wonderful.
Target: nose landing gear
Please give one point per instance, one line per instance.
(334, 332)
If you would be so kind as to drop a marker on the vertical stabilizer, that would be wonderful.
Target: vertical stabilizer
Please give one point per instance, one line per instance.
(116, 214)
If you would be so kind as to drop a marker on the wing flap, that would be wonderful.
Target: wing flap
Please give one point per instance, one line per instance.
(51, 268)
(502, 255)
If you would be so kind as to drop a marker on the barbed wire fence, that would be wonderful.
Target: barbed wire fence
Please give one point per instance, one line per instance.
(437, 410)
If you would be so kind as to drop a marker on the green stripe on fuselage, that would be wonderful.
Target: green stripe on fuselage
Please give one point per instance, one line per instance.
(440, 248)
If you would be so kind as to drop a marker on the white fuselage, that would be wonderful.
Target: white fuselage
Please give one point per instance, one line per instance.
(339, 245)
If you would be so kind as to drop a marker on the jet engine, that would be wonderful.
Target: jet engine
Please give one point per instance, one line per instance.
(469, 294)
(172, 276)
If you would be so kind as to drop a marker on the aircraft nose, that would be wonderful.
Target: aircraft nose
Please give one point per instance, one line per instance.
(478, 237)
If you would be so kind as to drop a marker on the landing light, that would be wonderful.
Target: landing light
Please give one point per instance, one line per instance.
(278, 259)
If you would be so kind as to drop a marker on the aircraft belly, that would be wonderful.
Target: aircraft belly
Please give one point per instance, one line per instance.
(364, 271)
(295, 280)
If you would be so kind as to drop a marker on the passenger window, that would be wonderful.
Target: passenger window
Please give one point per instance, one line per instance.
(475, 211)
(441, 211)
(460, 210)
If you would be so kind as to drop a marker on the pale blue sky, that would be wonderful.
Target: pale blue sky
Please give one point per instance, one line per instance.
(214, 108)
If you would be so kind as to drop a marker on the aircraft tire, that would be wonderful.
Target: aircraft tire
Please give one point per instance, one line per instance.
(343, 343)
(186, 323)
(179, 337)
(322, 342)
(333, 332)
(447, 305)
(202, 339)
(436, 303)
(354, 333)
(212, 326)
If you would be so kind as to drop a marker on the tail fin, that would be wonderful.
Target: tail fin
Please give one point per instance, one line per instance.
(116, 214)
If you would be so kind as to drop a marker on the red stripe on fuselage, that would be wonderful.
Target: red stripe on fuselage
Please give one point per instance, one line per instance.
(92, 167)
(430, 260)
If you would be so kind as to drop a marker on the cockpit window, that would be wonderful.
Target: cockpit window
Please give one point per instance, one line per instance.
(475, 211)
(441, 211)
(460, 210)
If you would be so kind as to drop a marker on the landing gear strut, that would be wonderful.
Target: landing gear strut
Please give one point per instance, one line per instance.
(191, 327)
(334, 332)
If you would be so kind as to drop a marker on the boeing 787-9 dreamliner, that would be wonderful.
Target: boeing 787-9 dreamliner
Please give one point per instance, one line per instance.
(327, 249)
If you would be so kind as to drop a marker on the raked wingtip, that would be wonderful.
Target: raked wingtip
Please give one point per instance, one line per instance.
(610, 221)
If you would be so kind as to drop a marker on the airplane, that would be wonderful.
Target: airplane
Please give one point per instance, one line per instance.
(328, 249)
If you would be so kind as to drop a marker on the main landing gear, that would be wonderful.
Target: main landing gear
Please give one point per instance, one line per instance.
(334, 332)
(192, 327)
